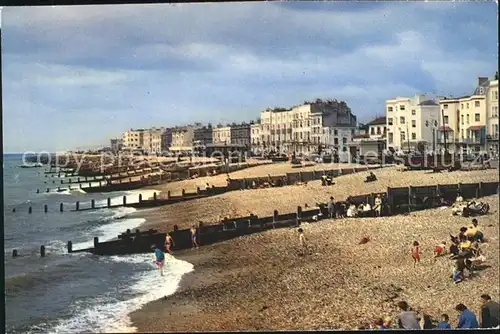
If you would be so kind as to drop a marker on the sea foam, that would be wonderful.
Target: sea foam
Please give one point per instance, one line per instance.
(107, 315)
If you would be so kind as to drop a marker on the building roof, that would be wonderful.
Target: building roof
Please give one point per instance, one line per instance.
(445, 129)
(428, 103)
(475, 127)
(378, 121)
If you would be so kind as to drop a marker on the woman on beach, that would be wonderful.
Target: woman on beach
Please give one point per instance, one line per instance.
(194, 240)
(169, 242)
(415, 253)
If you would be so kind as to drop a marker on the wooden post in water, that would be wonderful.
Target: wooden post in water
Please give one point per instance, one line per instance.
(14, 253)
(59, 189)
(77, 206)
(70, 247)
(154, 196)
(61, 207)
(96, 242)
(100, 183)
(197, 190)
(85, 179)
(81, 186)
(275, 217)
(45, 208)
(109, 202)
(78, 180)
(30, 210)
(92, 203)
(168, 194)
(48, 190)
(38, 191)
(90, 185)
(42, 251)
(124, 200)
(183, 192)
(140, 198)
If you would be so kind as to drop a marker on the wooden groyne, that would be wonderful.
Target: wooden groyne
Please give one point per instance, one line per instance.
(398, 201)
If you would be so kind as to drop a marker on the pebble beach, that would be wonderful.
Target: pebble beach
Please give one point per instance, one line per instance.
(262, 281)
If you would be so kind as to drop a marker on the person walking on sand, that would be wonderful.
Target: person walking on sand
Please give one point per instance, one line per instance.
(490, 312)
(467, 318)
(194, 239)
(415, 253)
(169, 243)
(159, 257)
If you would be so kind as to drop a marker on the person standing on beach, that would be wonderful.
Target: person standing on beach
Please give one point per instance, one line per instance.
(331, 208)
(302, 241)
(194, 238)
(490, 312)
(159, 258)
(169, 243)
(415, 253)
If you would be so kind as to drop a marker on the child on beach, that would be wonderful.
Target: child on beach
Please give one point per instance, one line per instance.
(159, 258)
(169, 242)
(194, 240)
(415, 253)
(302, 241)
(440, 249)
(444, 323)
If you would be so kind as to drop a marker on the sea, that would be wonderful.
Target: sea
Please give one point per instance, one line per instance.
(78, 292)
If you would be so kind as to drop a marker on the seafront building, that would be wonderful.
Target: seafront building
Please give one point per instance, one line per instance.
(240, 134)
(410, 121)
(182, 138)
(221, 134)
(203, 135)
(255, 137)
(116, 145)
(305, 128)
(147, 140)
(470, 123)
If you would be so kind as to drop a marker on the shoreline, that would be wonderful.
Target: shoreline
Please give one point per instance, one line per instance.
(259, 282)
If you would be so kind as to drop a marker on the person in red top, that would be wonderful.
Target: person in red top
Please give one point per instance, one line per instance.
(415, 253)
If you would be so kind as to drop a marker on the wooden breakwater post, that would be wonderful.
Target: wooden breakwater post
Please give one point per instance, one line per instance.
(61, 207)
(183, 192)
(48, 190)
(109, 202)
(299, 215)
(168, 194)
(77, 206)
(14, 253)
(45, 208)
(30, 210)
(275, 218)
(96, 242)
(92, 203)
(154, 196)
(124, 200)
(70, 247)
(42, 251)
(140, 198)
(38, 191)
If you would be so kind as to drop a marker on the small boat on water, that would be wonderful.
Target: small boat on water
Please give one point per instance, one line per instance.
(35, 165)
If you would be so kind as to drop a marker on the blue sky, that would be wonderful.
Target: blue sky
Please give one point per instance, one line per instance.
(77, 76)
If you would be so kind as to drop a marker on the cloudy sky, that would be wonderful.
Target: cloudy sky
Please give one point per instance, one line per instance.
(76, 76)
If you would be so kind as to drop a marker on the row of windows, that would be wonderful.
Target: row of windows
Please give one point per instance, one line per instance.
(401, 108)
(476, 104)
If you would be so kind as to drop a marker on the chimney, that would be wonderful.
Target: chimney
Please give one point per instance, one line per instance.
(481, 80)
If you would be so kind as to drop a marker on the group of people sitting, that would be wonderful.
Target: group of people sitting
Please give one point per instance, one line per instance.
(466, 251)
(410, 319)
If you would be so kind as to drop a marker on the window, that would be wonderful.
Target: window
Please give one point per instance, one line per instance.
(494, 111)
(413, 112)
(462, 119)
(468, 119)
(445, 120)
(403, 136)
(467, 105)
(389, 121)
(476, 104)
(335, 141)
(401, 107)
(389, 109)
(401, 120)
(344, 140)
(445, 106)
(495, 95)
(390, 137)
(462, 133)
(372, 130)
(477, 117)
(413, 123)
(413, 136)
(378, 130)
(335, 132)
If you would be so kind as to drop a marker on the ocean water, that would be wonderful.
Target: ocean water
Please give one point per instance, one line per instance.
(66, 293)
